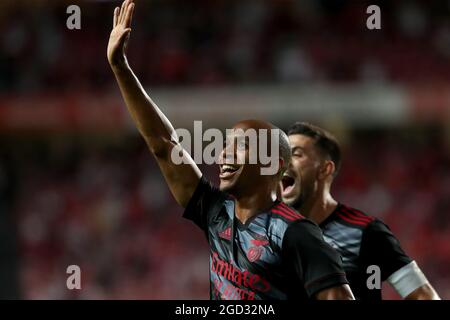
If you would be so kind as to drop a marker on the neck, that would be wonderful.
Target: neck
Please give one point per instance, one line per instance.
(248, 206)
(318, 207)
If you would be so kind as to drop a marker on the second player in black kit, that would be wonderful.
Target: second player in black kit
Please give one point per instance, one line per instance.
(363, 241)
(370, 252)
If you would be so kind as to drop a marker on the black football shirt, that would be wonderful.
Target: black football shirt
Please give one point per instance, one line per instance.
(363, 241)
(277, 254)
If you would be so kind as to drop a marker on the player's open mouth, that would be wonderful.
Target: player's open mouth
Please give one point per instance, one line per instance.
(227, 171)
(287, 184)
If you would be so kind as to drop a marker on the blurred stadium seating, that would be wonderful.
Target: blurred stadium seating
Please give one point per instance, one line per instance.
(205, 42)
(77, 185)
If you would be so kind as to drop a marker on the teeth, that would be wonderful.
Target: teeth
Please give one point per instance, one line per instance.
(227, 168)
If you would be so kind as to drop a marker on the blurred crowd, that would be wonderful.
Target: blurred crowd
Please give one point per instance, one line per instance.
(108, 210)
(205, 42)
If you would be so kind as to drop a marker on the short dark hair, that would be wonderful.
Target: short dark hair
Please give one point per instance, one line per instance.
(325, 141)
(285, 149)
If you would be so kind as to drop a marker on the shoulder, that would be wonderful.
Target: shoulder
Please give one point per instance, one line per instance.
(284, 213)
(303, 231)
(281, 217)
(379, 246)
(205, 186)
(354, 217)
(205, 203)
(377, 231)
(208, 193)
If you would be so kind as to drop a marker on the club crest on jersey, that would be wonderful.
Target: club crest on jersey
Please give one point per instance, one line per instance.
(254, 253)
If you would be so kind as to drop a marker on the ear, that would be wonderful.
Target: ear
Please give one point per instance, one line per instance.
(326, 170)
(281, 168)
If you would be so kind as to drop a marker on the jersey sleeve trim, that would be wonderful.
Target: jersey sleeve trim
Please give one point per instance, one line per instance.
(407, 279)
(325, 282)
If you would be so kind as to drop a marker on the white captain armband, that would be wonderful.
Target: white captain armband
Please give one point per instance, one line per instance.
(407, 279)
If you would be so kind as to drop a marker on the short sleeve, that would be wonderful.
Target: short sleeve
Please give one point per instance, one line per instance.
(310, 259)
(381, 248)
(206, 200)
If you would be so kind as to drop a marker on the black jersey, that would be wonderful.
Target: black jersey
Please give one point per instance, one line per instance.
(363, 241)
(277, 254)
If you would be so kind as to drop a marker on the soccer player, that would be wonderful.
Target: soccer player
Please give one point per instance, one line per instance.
(361, 240)
(259, 247)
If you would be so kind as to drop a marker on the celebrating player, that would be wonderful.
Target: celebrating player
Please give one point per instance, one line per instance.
(362, 240)
(259, 247)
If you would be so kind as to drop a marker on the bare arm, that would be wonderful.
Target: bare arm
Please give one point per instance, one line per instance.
(153, 125)
(336, 293)
(425, 292)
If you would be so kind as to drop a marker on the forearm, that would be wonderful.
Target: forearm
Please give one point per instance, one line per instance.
(411, 283)
(149, 119)
(425, 292)
(153, 125)
(336, 293)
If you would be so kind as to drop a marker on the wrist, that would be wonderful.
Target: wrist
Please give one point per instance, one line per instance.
(118, 65)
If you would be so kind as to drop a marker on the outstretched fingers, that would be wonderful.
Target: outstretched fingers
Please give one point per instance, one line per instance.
(122, 12)
(129, 14)
(116, 16)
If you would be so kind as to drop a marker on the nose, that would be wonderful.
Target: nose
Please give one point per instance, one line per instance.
(228, 154)
(290, 166)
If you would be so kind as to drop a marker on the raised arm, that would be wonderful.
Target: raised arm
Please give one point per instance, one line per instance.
(153, 125)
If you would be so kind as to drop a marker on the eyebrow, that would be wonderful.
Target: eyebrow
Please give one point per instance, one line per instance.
(234, 138)
(297, 148)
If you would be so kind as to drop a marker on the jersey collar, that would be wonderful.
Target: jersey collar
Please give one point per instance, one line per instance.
(331, 217)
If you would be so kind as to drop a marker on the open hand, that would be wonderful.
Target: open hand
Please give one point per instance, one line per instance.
(120, 33)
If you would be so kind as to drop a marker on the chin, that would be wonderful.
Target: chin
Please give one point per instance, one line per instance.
(295, 202)
(289, 201)
(292, 201)
(226, 186)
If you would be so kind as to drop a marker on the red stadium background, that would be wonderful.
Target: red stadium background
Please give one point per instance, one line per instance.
(77, 185)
